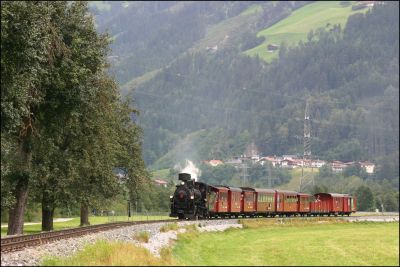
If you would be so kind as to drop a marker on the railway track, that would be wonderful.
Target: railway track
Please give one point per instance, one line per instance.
(14, 243)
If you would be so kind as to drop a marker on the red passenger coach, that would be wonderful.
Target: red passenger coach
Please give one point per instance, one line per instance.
(218, 200)
(265, 204)
(234, 200)
(286, 202)
(249, 200)
(303, 202)
(333, 204)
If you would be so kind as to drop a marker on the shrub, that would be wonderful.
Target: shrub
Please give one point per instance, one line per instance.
(142, 237)
(169, 227)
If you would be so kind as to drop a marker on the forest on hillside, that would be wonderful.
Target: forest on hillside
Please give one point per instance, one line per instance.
(348, 76)
(198, 103)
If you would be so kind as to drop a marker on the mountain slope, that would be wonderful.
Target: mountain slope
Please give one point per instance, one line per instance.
(296, 27)
(349, 76)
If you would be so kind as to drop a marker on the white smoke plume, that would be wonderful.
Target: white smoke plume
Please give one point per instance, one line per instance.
(191, 169)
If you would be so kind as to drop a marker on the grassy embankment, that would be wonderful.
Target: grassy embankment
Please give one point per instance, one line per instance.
(36, 228)
(262, 242)
(296, 26)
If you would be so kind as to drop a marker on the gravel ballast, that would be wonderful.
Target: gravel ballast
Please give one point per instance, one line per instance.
(33, 256)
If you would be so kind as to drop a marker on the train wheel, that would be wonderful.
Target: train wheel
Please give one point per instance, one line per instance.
(181, 217)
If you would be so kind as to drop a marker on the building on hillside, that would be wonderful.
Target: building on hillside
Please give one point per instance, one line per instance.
(234, 161)
(290, 157)
(338, 166)
(272, 47)
(287, 163)
(369, 167)
(367, 3)
(213, 162)
(274, 160)
(317, 163)
(160, 182)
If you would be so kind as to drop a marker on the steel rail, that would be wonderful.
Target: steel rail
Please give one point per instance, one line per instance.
(19, 242)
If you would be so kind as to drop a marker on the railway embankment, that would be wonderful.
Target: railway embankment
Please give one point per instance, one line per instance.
(32, 256)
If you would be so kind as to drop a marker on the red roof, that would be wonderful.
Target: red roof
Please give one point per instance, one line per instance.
(160, 181)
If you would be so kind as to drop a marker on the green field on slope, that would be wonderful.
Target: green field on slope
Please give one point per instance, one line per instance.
(296, 26)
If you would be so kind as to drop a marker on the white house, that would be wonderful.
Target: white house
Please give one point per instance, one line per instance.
(369, 167)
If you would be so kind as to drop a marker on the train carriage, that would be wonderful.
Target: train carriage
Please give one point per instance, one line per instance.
(248, 201)
(303, 202)
(217, 201)
(333, 204)
(265, 204)
(286, 202)
(234, 200)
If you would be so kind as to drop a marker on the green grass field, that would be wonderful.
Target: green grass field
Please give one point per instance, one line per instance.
(335, 244)
(297, 25)
(315, 242)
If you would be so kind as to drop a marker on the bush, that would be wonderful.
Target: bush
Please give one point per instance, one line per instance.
(142, 237)
(169, 227)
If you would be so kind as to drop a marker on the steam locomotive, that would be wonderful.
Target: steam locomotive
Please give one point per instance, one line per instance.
(196, 200)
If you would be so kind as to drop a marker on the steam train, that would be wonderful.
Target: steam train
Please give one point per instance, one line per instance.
(197, 200)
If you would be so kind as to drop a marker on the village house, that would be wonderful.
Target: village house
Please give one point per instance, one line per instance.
(275, 161)
(338, 166)
(287, 163)
(160, 182)
(214, 162)
(272, 47)
(369, 167)
(317, 163)
(235, 161)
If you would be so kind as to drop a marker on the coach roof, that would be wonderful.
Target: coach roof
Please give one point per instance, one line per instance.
(334, 194)
(235, 189)
(287, 192)
(263, 190)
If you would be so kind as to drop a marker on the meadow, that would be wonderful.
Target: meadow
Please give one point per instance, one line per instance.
(296, 26)
(312, 242)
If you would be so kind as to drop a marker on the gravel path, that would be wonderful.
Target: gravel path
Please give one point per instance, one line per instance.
(32, 256)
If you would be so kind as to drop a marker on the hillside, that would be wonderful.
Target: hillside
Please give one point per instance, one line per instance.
(213, 103)
(148, 36)
(296, 26)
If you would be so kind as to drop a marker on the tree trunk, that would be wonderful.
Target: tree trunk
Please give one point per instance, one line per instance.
(47, 212)
(16, 213)
(84, 215)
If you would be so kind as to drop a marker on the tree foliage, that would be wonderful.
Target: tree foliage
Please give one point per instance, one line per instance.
(64, 126)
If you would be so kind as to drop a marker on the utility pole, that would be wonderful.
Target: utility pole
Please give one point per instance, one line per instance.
(244, 168)
(307, 143)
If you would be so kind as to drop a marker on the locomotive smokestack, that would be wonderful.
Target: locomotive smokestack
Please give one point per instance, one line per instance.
(184, 177)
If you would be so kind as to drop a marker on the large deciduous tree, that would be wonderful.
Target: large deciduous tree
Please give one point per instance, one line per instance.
(62, 121)
(25, 45)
